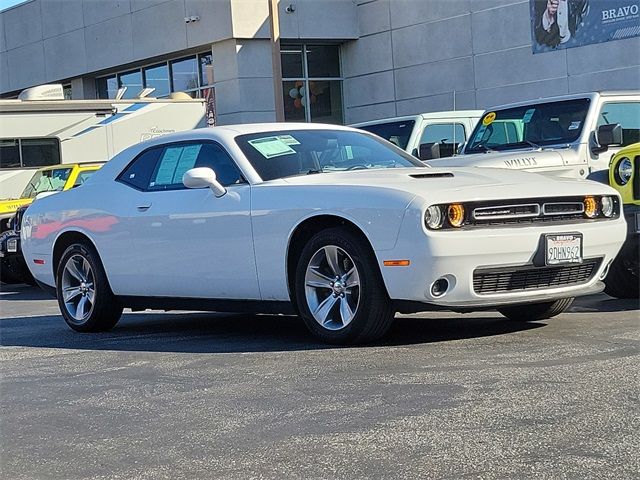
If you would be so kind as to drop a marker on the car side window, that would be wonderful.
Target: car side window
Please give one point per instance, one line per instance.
(627, 114)
(216, 158)
(443, 133)
(176, 159)
(138, 173)
(82, 177)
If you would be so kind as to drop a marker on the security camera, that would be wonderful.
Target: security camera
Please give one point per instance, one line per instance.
(290, 8)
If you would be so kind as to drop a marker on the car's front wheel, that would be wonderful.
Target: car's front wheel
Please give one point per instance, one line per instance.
(536, 311)
(84, 295)
(339, 290)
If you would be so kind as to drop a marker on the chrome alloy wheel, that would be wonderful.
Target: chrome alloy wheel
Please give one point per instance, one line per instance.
(332, 287)
(78, 288)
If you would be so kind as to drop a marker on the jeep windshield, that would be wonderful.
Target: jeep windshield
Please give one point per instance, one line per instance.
(46, 181)
(535, 125)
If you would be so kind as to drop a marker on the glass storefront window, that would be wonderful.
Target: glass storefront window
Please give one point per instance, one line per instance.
(291, 58)
(206, 69)
(133, 81)
(325, 98)
(189, 75)
(294, 101)
(323, 61)
(107, 87)
(184, 74)
(158, 77)
(310, 92)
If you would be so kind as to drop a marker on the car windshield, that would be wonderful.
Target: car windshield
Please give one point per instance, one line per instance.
(299, 152)
(535, 125)
(46, 181)
(397, 133)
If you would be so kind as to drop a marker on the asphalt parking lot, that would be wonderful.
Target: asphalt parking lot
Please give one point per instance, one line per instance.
(192, 395)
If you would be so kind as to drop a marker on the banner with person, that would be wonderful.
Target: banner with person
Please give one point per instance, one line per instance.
(558, 24)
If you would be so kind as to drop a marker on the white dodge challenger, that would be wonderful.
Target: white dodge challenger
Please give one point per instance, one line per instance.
(328, 222)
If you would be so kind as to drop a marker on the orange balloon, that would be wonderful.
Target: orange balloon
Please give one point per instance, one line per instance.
(297, 103)
(298, 84)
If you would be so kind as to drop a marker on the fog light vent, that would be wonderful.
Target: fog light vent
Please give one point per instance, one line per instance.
(439, 287)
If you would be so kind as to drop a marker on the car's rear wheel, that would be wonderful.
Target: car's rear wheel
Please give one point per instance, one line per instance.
(84, 295)
(536, 311)
(339, 290)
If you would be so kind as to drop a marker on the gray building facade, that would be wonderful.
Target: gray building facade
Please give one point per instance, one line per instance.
(343, 61)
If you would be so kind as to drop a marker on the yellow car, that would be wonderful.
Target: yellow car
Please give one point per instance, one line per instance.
(623, 280)
(47, 179)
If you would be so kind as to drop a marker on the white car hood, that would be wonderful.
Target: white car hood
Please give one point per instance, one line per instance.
(459, 183)
(517, 160)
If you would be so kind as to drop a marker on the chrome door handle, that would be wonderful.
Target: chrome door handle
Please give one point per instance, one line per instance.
(143, 208)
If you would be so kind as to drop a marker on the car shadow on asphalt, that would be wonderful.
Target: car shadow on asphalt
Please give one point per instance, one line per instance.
(224, 333)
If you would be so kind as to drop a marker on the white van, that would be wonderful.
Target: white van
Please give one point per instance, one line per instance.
(41, 128)
(426, 135)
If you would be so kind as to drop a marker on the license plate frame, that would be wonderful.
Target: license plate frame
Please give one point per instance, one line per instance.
(571, 241)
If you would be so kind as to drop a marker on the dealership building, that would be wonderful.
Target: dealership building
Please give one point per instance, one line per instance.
(342, 61)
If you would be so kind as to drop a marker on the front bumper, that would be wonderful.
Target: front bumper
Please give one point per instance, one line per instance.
(455, 255)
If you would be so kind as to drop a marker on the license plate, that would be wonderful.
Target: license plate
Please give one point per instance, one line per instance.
(563, 248)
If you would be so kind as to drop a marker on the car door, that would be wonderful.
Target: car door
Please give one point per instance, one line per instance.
(191, 244)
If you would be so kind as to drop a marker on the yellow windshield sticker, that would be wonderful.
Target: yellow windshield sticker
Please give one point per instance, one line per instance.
(488, 119)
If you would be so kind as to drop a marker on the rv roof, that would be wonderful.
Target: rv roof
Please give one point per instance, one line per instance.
(104, 106)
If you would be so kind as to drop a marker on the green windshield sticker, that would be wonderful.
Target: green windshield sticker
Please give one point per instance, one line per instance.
(270, 147)
(528, 114)
(288, 139)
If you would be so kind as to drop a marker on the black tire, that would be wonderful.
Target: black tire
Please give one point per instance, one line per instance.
(14, 270)
(105, 311)
(536, 311)
(373, 313)
(623, 279)
(7, 274)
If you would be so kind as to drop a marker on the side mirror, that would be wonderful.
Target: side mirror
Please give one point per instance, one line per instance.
(45, 194)
(203, 177)
(428, 151)
(607, 135)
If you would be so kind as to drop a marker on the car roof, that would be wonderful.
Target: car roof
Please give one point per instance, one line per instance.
(72, 165)
(575, 96)
(426, 116)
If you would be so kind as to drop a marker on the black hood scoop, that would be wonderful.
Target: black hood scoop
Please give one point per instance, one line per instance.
(432, 175)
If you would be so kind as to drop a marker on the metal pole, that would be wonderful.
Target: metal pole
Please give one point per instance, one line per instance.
(275, 59)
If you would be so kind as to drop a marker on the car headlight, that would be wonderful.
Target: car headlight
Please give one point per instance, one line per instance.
(455, 212)
(433, 217)
(607, 206)
(590, 207)
(623, 171)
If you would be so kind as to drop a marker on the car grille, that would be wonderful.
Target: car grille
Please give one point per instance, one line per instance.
(517, 279)
(549, 210)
